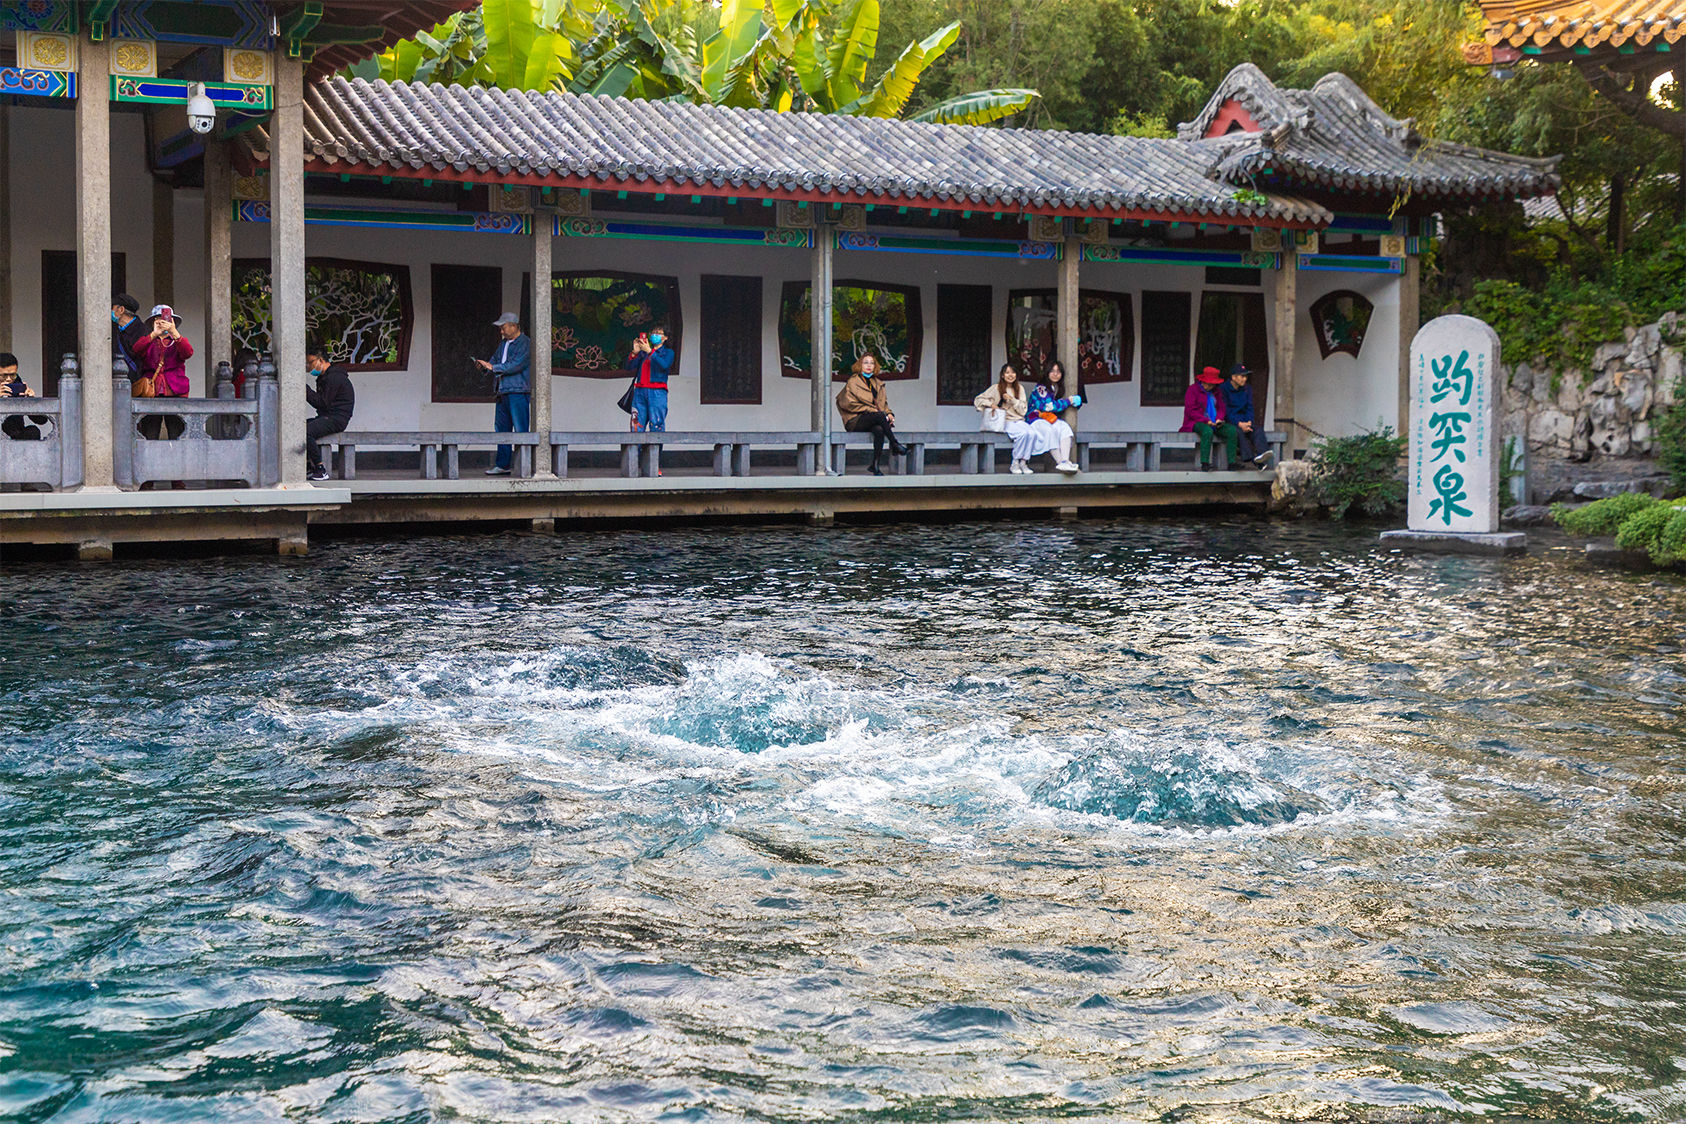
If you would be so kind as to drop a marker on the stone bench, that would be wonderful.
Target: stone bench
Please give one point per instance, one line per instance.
(977, 449)
(439, 449)
(1142, 447)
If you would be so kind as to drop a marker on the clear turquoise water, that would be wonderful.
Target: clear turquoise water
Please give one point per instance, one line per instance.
(1097, 821)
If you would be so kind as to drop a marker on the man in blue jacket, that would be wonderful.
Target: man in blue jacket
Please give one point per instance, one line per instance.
(651, 360)
(1239, 413)
(512, 364)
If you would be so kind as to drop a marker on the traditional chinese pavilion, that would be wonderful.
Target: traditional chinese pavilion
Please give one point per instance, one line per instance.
(1281, 228)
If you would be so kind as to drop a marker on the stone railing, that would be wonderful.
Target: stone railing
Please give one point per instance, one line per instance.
(222, 440)
(50, 449)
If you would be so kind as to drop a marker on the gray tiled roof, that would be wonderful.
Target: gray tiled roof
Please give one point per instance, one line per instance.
(1335, 137)
(618, 143)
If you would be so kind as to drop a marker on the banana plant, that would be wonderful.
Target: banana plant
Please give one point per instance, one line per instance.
(771, 54)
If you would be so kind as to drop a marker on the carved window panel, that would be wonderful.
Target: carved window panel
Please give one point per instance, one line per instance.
(867, 317)
(963, 368)
(1106, 334)
(359, 310)
(1340, 320)
(1165, 347)
(731, 340)
(596, 315)
(466, 299)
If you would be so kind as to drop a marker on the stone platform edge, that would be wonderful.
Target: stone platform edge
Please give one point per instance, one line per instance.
(1458, 542)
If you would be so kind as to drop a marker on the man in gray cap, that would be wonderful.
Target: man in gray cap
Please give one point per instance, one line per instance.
(512, 364)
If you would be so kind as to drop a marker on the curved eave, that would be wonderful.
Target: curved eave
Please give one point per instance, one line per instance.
(1150, 206)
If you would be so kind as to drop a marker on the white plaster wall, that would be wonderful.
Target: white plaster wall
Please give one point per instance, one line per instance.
(42, 159)
(1342, 395)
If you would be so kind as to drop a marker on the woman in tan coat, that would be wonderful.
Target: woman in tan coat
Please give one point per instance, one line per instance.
(866, 409)
(1007, 394)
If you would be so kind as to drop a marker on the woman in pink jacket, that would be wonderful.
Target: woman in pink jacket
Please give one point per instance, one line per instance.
(1203, 411)
(163, 357)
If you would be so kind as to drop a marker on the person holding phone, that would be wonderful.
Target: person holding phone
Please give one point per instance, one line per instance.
(1048, 400)
(650, 362)
(512, 364)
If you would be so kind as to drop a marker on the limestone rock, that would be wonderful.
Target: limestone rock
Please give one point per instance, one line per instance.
(1527, 515)
(1643, 347)
(1550, 429)
(1608, 353)
(1669, 370)
(1291, 492)
(1604, 489)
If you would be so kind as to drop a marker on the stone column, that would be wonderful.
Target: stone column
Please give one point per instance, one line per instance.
(218, 339)
(820, 334)
(93, 260)
(1069, 311)
(1282, 361)
(6, 331)
(286, 260)
(543, 228)
(1410, 311)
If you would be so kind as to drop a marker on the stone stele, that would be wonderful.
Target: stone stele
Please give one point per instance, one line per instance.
(1453, 486)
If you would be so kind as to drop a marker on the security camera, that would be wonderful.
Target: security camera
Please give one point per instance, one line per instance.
(201, 110)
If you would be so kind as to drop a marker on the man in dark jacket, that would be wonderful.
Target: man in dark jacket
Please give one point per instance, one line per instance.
(333, 398)
(130, 330)
(1239, 413)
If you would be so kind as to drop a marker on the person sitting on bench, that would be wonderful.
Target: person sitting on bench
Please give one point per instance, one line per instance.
(334, 400)
(1247, 437)
(865, 408)
(17, 426)
(1203, 415)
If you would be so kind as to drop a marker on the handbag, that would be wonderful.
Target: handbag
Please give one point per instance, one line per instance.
(153, 385)
(625, 400)
(994, 421)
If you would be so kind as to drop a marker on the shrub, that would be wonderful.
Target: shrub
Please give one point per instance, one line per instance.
(1670, 547)
(1671, 443)
(1642, 529)
(1359, 472)
(1601, 517)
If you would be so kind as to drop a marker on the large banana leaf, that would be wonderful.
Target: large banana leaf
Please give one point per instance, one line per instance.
(890, 95)
(740, 31)
(511, 26)
(810, 70)
(978, 108)
(854, 42)
(547, 64)
(785, 11)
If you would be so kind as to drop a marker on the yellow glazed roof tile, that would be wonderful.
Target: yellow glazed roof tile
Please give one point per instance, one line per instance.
(1587, 24)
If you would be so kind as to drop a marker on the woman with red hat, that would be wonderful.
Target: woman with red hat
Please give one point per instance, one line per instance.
(1203, 412)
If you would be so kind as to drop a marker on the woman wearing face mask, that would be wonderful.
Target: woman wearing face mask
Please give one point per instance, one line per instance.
(650, 361)
(1048, 400)
(1007, 394)
(865, 408)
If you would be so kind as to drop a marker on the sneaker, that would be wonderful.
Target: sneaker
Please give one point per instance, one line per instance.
(317, 474)
(496, 471)
(1207, 466)
(1068, 468)
(1265, 460)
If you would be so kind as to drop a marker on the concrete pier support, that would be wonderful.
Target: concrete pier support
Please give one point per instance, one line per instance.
(539, 333)
(93, 259)
(820, 334)
(1282, 359)
(218, 341)
(1069, 310)
(286, 260)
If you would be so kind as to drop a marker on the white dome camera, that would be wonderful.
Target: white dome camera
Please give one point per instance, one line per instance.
(201, 110)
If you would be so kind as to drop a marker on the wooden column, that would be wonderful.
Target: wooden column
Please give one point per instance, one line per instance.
(93, 261)
(820, 335)
(1282, 363)
(218, 341)
(543, 226)
(286, 260)
(1410, 311)
(1069, 311)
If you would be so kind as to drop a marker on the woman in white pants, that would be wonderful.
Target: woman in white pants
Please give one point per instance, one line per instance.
(1048, 400)
(1007, 395)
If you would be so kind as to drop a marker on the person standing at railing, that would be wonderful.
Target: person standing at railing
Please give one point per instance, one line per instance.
(512, 363)
(16, 426)
(334, 400)
(130, 330)
(163, 354)
(864, 405)
(651, 361)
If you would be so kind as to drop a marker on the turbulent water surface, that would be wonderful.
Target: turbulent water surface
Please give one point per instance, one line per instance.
(1096, 821)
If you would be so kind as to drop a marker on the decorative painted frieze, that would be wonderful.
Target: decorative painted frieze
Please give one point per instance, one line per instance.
(37, 83)
(248, 67)
(46, 50)
(134, 58)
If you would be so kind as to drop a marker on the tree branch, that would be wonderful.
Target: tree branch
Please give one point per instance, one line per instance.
(1634, 102)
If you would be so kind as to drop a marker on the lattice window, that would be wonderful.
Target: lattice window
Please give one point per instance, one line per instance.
(595, 317)
(359, 310)
(866, 317)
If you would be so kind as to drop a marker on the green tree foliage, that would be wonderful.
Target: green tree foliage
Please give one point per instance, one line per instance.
(779, 54)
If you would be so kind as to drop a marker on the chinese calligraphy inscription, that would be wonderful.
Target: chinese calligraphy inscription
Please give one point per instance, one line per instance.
(1453, 427)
